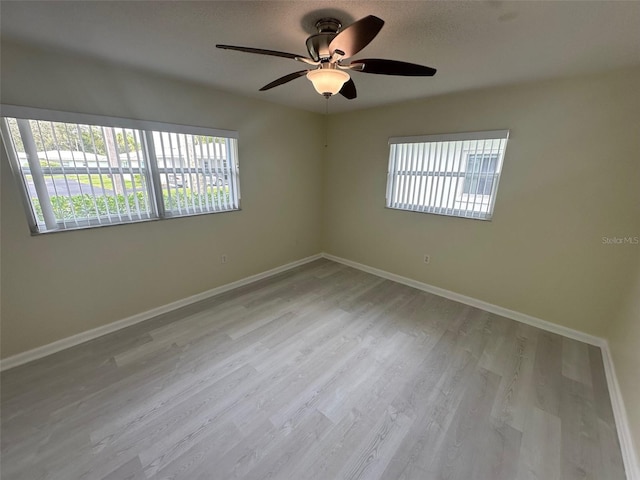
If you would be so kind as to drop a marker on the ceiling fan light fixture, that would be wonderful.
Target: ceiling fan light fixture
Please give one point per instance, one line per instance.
(327, 81)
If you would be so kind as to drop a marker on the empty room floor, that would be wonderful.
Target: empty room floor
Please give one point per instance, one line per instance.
(323, 372)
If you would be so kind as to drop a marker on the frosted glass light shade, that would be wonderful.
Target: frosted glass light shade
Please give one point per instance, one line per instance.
(327, 81)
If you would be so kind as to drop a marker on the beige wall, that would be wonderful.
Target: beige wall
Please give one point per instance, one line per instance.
(57, 285)
(624, 339)
(571, 176)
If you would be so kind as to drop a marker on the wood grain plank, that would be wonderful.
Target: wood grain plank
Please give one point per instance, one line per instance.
(581, 452)
(371, 457)
(575, 361)
(132, 470)
(547, 373)
(604, 410)
(450, 459)
(202, 456)
(515, 393)
(540, 452)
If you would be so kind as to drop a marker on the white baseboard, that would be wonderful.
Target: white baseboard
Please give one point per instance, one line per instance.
(43, 351)
(627, 445)
(620, 414)
(474, 302)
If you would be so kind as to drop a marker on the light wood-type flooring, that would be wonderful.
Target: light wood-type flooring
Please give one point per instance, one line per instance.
(323, 372)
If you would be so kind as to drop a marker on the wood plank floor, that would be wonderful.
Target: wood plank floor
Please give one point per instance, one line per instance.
(323, 372)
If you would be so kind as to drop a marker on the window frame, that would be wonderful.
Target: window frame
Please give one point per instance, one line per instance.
(157, 210)
(394, 172)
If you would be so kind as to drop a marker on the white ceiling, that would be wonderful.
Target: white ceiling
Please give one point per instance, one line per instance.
(472, 44)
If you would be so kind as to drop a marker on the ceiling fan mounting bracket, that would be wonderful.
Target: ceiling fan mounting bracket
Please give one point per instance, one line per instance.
(328, 25)
(318, 43)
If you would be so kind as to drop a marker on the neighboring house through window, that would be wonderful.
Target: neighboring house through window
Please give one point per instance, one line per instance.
(453, 174)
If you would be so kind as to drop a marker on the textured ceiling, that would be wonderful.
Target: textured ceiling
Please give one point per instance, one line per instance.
(472, 44)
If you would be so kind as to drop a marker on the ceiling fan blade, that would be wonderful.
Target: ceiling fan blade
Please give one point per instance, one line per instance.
(348, 90)
(260, 51)
(394, 67)
(285, 79)
(356, 36)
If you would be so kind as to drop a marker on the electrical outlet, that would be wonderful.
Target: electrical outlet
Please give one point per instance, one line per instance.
(223, 258)
(427, 258)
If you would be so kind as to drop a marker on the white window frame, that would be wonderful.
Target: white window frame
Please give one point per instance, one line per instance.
(434, 182)
(152, 172)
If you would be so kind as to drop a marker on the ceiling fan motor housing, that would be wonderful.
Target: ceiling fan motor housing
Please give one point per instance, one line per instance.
(318, 44)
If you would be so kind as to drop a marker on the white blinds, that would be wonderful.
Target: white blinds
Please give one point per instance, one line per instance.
(200, 171)
(454, 174)
(77, 175)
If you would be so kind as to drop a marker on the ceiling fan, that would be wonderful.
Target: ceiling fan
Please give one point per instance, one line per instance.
(327, 50)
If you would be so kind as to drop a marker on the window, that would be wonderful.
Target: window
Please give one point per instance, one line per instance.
(197, 173)
(480, 173)
(455, 174)
(79, 171)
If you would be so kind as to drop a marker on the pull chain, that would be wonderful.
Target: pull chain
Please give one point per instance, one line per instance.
(326, 124)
